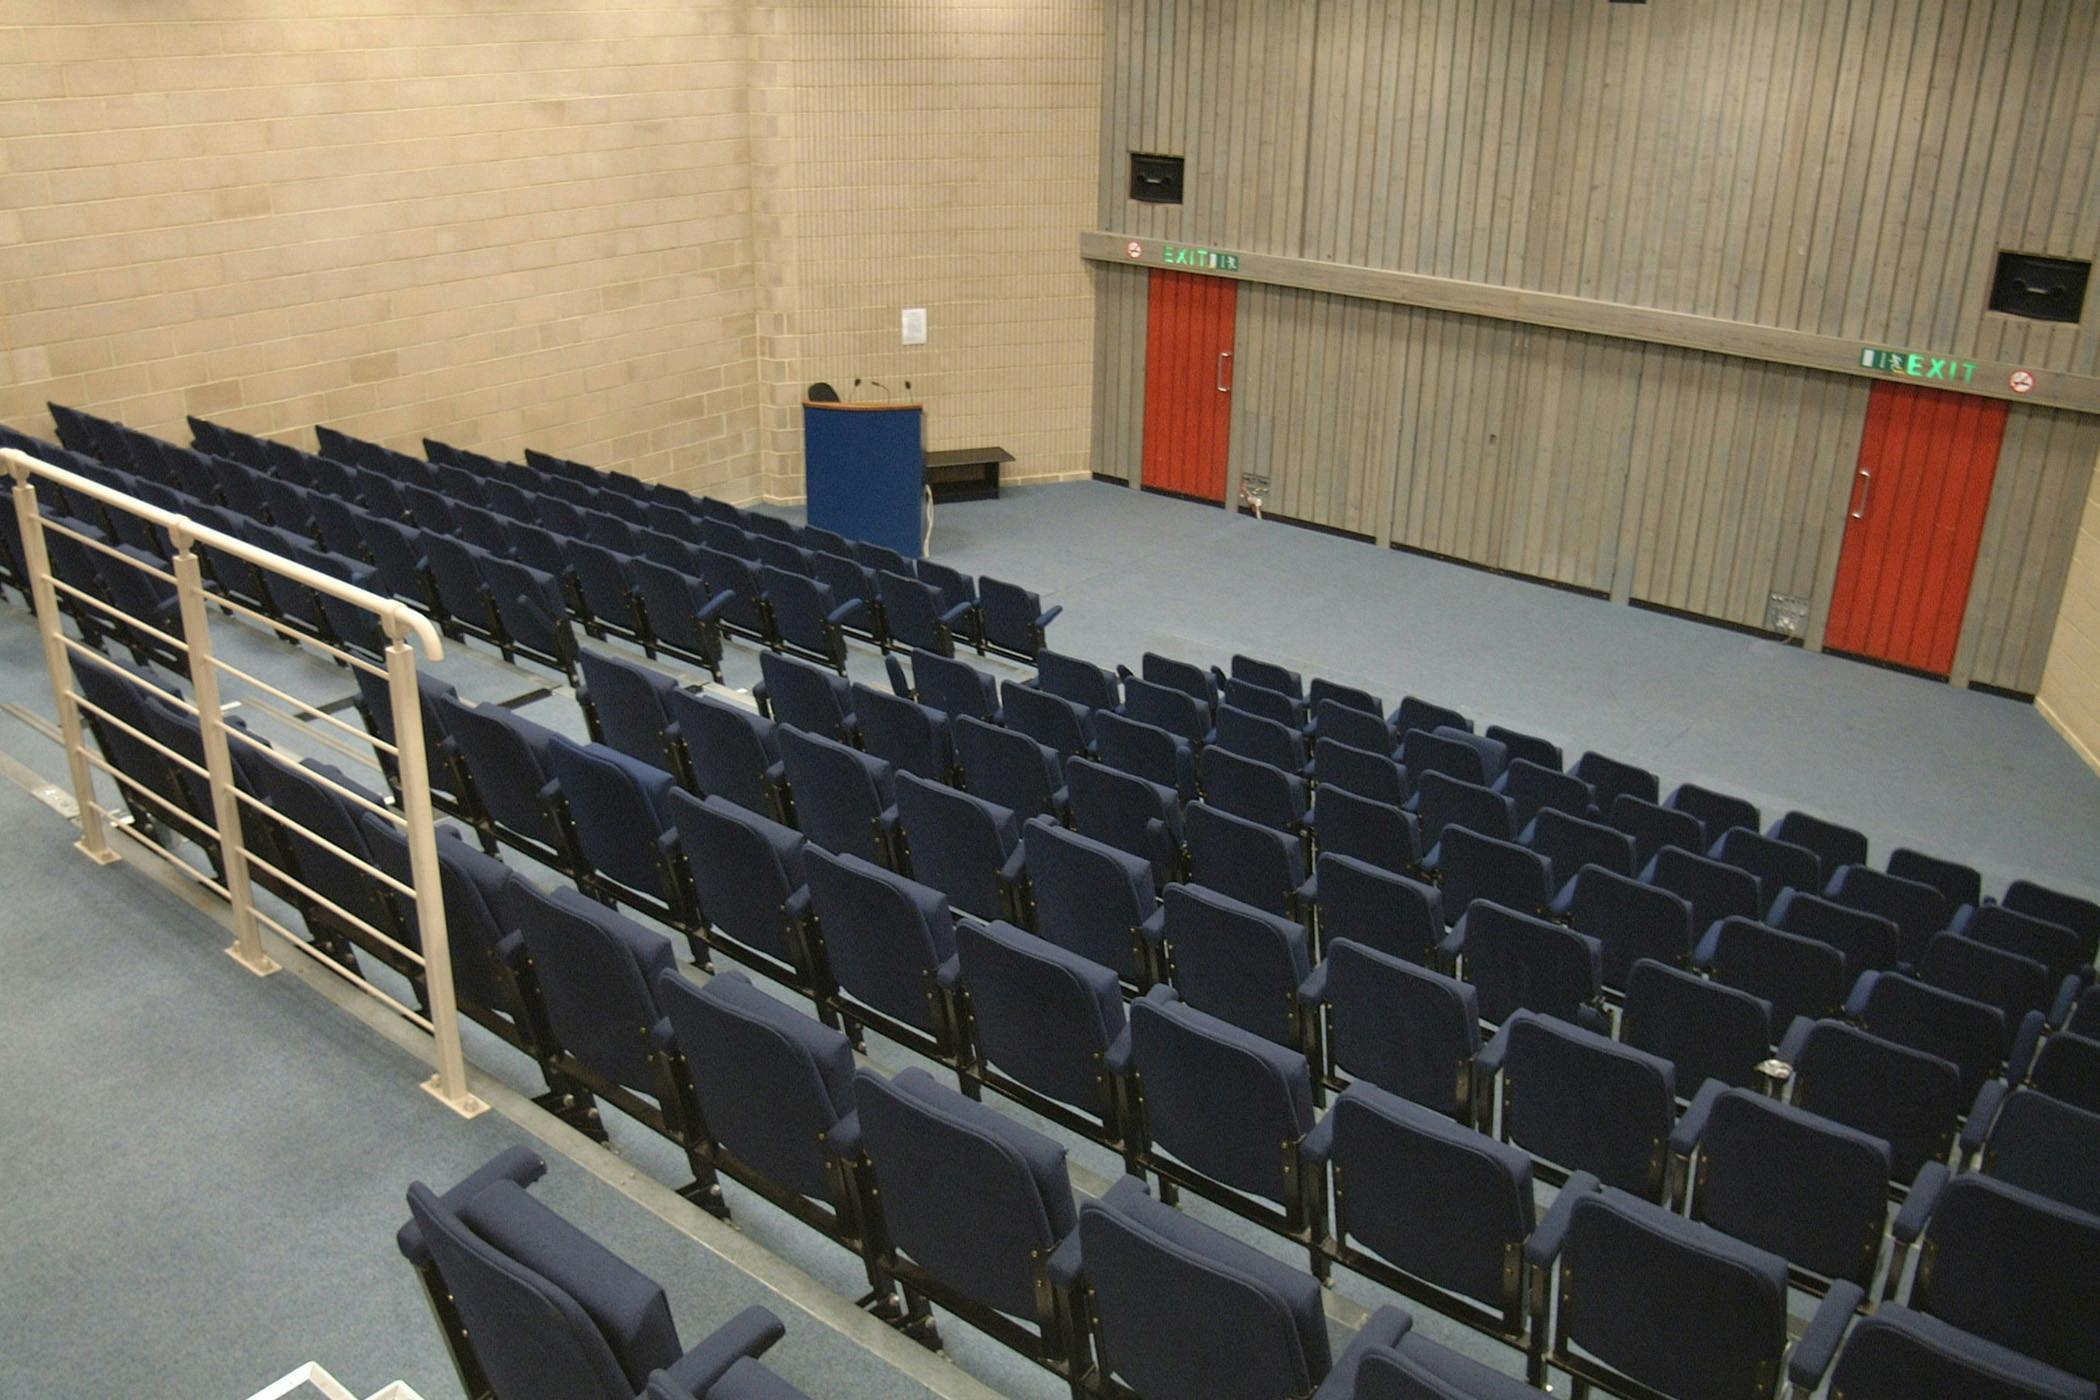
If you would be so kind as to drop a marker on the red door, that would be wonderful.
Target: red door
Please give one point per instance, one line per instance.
(1188, 383)
(1926, 463)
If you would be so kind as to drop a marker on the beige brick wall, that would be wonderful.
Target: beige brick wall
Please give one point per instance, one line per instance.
(932, 153)
(498, 222)
(626, 231)
(2070, 693)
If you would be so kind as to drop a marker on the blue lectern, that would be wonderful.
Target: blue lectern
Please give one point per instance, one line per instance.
(864, 469)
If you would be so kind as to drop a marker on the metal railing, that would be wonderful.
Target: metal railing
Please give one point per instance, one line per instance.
(221, 828)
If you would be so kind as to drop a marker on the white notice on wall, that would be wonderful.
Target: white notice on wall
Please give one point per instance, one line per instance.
(914, 325)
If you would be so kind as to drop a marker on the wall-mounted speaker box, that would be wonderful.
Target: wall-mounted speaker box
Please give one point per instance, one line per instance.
(2039, 288)
(1155, 179)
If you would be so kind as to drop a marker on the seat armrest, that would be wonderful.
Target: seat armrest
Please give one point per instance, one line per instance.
(1318, 1145)
(1488, 1063)
(511, 950)
(1690, 1128)
(1016, 866)
(1117, 1057)
(1709, 944)
(844, 1138)
(1983, 1113)
(1917, 1206)
(662, 1038)
(844, 611)
(949, 973)
(2025, 1042)
(519, 1164)
(717, 605)
(1818, 1346)
(1154, 929)
(1044, 619)
(1862, 992)
(1544, 1245)
(750, 1333)
(900, 683)
(957, 613)
(1062, 1267)
(1452, 945)
(1796, 1039)
(1313, 990)
(2066, 998)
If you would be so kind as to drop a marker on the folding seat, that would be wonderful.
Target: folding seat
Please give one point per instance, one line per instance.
(750, 612)
(845, 800)
(950, 686)
(810, 619)
(1319, 689)
(1407, 1029)
(603, 528)
(1006, 767)
(973, 1207)
(1271, 705)
(1184, 676)
(288, 508)
(481, 528)
(1708, 1030)
(1125, 811)
(607, 582)
(780, 554)
(749, 889)
(1378, 908)
(1568, 843)
(1247, 787)
(671, 551)
(814, 537)
(455, 571)
(1897, 1354)
(532, 613)
(595, 973)
(1048, 719)
(1433, 1210)
(1242, 965)
(1908, 1098)
(848, 580)
(2007, 1265)
(1094, 900)
(544, 550)
(910, 737)
(512, 500)
(1268, 675)
(1869, 942)
(1969, 1034)
(2037, 1143)
(1798, 976)
(1588, 1103)
(1345, 724)
(2067, 1067)
(563, 516)
(1013, 620)
(880, 558)
(1369, 831)
(337, 523)
(1441, 800)
(1535, 788)
(1472, 867)
(1046, 1028)
(1212, 1105)
(916, 616)
(889, 943)
(2051, 944)
(807, 698)
(1666, 1307)
(1778, 865)
(506, 781)
(2018, 987)
(440, 757)
(1415, 713)
(2081, 916)
(1612, 778)
(314, 835)
(729, 752)
(1364, 772)
(1717, 812)
(965, 847)
(1714, 890)
(1146, 750)
(1630, 919)
(625, 843)
(1255, 864)
(1834, 845)
(625, 706)
(578, 496)
(1516, 962)
(1653, 827)
(427, 509)
(759, 523)
(1164, 707)
(1176, 1308)
(1081, 682)
(532, 1308)
(1423, 752)
(1958, 884)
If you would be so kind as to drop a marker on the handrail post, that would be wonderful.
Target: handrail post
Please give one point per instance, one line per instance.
(247, 949)
(36, 560)
(449, 1085)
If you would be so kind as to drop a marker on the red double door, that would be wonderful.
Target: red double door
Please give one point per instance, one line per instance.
(1915, 524)
(1188, 383)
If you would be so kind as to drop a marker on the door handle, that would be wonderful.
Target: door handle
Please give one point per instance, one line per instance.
(1864, 492)
(1223, 356)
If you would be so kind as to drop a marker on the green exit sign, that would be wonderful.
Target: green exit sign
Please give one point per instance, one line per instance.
(1175, 255)
(1912, 366)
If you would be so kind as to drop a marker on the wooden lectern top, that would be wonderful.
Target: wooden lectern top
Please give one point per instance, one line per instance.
(858, 407)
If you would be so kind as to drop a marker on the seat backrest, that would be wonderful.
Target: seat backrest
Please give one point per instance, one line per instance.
(730, 749)
(1165, 707)
(1917, 909)
(1718, 812)
(476, 893)
(1365, 772)
(1833, 844)
(618, 806)
(2013, 984)
(1671, 1304)
(1186, 1310)
(1426, 715)
(746, 870)
(2046, 1146)
(2081, 916)
(1967, 1032)
(885, 937)
(1423, 752)
(1897, 1354)
(1958, 884)
(1257, 736)
(1476, 867)
(909, 736)
(1046, 718)
(1040, 1014)
(1320, 689)
(1536, 788)
(841, 794)
(1714, 890)
(1144, 749)
(1518, 962)
(1090, 897)
(1372, 832)
(1652, 827)
(1869, 942)
(2015, 1268)
(1406, 1029)
(1905, 1097)
(1006, 767)
(973, 1197)
(1630, 919)
(2051, 944)
(1569, 842)
(958, 843)
(2067, 1067)
(955, 586)
(1706, 1029)
(1517, 744)
(1224, 1102)
(1359, 729)
(1778, 865)
(629, 701)
(810, 698)
(1255, 864)
(1613, 778)
(1813, 1192)
(1128, 812)
(1081, 682)
(597, 972)
(507, 756)
(1236, 962)
(1797, 976)
(1010, 613)
(1257, 699)
(1250, 788)
(1378, 908)
(913, 610)
(1184, 676)
(1588, 1102)
(1267, 674)
(953, 687)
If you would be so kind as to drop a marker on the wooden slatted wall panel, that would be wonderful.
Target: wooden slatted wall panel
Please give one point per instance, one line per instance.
(2044, 471)
(1120, 302)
